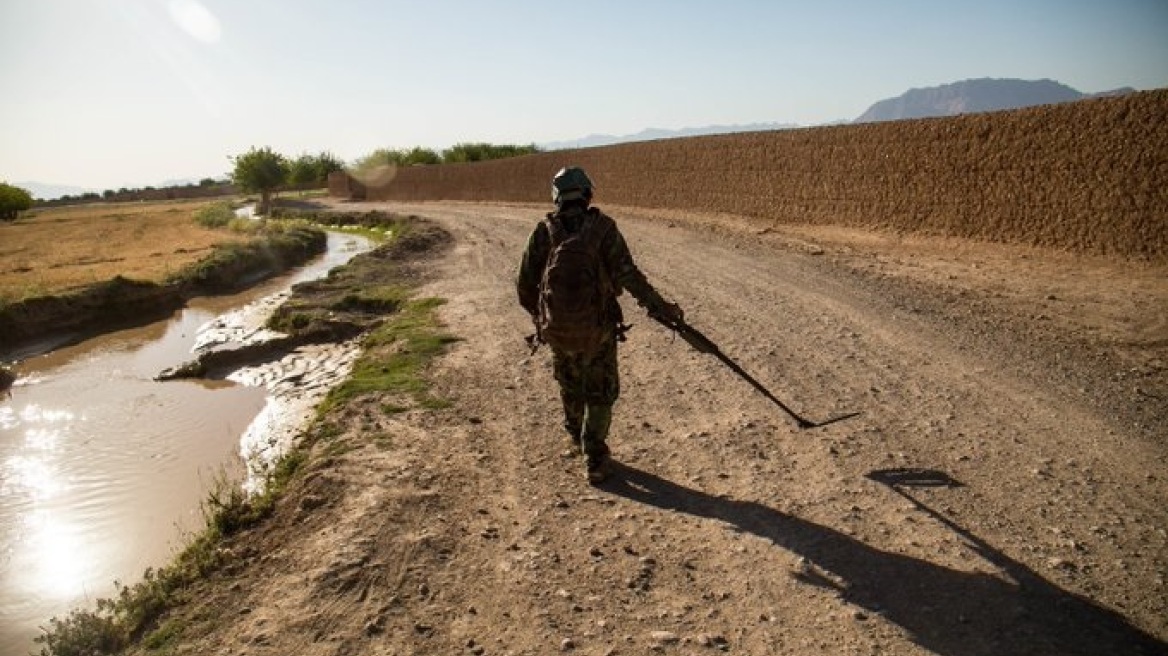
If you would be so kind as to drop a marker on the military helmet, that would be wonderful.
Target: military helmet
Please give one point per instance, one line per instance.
(571, 183)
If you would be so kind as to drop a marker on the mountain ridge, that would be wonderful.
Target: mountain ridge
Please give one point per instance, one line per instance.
(976, 95)
(649, 134)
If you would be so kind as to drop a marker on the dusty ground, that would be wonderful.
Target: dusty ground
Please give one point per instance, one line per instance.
(1019, 397)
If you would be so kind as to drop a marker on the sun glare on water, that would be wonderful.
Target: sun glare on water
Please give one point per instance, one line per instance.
(61, 561)
(29, 472)
(55, 560)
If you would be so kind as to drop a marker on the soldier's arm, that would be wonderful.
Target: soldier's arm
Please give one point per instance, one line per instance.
(628, 276)
(531, 269)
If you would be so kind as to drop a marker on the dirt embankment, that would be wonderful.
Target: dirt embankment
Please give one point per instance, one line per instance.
(349, 302)
(1086, 177)
(120, 302)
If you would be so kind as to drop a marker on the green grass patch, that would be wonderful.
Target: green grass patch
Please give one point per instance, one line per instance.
(395, 356)
(393, 408)
(165, 637)
(429, 402)
(381, 299)
(325, 431)
(374, 234)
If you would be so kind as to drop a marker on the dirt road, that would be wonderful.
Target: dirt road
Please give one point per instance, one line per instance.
(1019, 398)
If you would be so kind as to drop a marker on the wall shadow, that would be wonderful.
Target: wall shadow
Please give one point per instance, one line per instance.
(949, 612)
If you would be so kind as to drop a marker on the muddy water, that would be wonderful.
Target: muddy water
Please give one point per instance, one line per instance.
(102, 469)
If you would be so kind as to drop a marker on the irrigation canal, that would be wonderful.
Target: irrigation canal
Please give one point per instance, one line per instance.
(103, 470)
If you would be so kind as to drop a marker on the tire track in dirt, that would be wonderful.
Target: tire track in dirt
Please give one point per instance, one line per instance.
(1041, 487)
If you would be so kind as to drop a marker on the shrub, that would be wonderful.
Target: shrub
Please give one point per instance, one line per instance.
(215, 215)
(13, 201)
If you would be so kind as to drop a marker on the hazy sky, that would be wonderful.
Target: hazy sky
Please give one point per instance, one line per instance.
(111, 93)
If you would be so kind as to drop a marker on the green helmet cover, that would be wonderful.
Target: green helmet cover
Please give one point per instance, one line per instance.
(571, 183)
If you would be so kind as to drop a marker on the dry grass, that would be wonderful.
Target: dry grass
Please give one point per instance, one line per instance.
(54, 250)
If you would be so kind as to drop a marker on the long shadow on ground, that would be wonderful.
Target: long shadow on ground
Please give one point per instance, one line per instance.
(946, 611)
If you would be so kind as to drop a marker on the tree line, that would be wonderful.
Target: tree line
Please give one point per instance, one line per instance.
(457, 154)
(204, 188)
(265, 171)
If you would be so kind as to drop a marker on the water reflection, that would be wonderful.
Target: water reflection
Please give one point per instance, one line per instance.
(31, 477)
(58, 556)
(101, 469)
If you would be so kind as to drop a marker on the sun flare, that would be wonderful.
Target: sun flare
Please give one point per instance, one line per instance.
(196, 20)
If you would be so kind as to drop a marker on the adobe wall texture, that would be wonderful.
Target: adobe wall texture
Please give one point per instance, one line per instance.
(1089, 176)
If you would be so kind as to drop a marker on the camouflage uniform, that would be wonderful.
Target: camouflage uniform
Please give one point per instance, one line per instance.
(589, 384)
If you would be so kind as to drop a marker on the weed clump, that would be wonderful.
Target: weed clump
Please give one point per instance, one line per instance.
(115, 624)
(215, 215)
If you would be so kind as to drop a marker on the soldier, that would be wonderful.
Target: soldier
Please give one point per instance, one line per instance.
(575, 265)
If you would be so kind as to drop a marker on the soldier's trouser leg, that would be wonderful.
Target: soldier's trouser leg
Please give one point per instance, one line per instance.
(589, 385)
(597, 419)
(574, 408)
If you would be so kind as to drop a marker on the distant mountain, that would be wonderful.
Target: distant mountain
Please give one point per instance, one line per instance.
(178, 182)
(972, 96)
(51, 191)
(658, 133)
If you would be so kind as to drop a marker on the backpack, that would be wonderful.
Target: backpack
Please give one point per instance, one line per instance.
(575, 288)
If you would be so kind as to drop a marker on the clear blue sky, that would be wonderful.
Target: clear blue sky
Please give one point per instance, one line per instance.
(111, 93)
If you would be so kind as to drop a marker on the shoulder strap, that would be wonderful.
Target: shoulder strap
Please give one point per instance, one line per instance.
(555, 229)
(599, 225)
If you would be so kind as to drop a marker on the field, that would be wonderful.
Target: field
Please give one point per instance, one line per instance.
(57, 250)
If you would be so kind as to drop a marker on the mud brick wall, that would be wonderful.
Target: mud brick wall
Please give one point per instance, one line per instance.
(1089, 176)
(342, 185)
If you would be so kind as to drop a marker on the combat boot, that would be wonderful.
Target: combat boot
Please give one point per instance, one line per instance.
(598, 465)
(597, 468)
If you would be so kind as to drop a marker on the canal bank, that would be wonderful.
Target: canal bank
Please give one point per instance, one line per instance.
(276, 397)
(43, 323)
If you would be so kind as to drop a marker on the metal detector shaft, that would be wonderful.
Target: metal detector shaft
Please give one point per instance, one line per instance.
(800, 421)
(702, 344)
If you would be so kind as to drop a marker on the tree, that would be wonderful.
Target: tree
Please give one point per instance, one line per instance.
(418, 155)
(263, 171)
(379, 157)
(459, 153)
(327, 163)
(13, 201)
(478, 152)
(401, 157)
(308, 171)
(302, 172)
